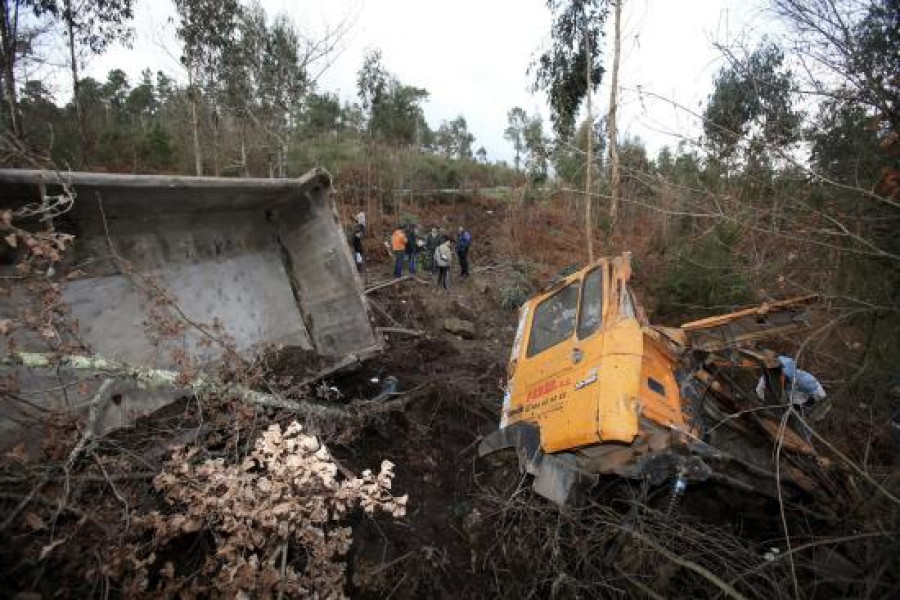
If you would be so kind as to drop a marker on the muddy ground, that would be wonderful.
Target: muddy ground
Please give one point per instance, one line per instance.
(473, 528)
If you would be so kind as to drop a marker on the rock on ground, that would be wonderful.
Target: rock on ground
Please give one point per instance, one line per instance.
(460, 327)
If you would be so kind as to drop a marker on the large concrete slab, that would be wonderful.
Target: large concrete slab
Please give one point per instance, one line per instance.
(265, 258)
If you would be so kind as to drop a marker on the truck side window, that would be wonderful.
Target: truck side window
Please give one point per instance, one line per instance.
(554, 320)
(591, 315)
(626, 302)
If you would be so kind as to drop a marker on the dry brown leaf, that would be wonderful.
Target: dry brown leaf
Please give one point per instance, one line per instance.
(6, 326)
(17, 453)
(168, 570)
(34, 522)
(192, 525)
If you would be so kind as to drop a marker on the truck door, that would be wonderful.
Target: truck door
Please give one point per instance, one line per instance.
(556, 383)
(577, 423)
(543, 378)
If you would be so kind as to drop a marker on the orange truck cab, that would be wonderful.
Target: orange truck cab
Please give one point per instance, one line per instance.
(582, 367)
(593, 388)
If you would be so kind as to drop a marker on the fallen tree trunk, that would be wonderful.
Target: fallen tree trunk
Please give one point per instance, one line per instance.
(401, 331)
(200, 385)
(156, 378)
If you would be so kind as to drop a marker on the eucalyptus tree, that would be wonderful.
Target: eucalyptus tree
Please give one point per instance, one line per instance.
(750, 113)
(570, 71)
(208, 30)
(90, 27)
(568, 154)
(393, 109)
(142, 101)
(322, 114)
(537, 146)
(372, 83)
(615, 177)
(453, 139)
(517, 119)
(15, 37)
(283, 83)
(40, 112)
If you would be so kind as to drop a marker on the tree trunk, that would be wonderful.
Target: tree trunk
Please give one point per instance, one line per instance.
(216, 142)
(83, 144)
(615, 176)
(588, 200)
(198, 162)
(245, 171)
(8, 41)
(369, 213)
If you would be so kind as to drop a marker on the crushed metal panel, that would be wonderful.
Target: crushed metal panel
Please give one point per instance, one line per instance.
(749, 325)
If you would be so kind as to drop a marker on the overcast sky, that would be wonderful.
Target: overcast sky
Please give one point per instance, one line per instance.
(473, 55)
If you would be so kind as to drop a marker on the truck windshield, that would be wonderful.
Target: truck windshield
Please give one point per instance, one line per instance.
(554, 320)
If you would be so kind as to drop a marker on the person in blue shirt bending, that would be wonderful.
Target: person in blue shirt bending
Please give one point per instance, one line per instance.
(801, 390)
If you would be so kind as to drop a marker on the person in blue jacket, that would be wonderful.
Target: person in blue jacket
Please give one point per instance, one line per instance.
(801, 388)
(463, 242)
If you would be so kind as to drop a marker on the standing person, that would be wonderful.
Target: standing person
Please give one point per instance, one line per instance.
(412, 248)
(358, 249)
(398, 246)
(463, 242)
(443, 257)
(432, 241)
(361, 221)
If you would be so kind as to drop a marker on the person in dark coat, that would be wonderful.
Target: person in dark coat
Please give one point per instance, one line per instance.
(412, 248)
(358, 249)
(463, 243)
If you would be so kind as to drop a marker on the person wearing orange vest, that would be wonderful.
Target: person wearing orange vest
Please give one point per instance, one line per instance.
(398, 246)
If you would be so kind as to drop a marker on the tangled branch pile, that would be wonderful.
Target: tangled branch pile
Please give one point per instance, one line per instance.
(274, 519)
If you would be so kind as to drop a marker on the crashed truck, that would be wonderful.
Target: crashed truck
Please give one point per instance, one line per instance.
(264, 261)
(594, 389)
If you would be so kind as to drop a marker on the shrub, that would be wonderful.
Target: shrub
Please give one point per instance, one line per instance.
(705, 278)
(513, 296)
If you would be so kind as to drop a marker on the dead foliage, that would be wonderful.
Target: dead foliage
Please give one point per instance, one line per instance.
(275, 521)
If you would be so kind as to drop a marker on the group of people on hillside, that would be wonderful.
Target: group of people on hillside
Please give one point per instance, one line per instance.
(436, 250)
(433, 251)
